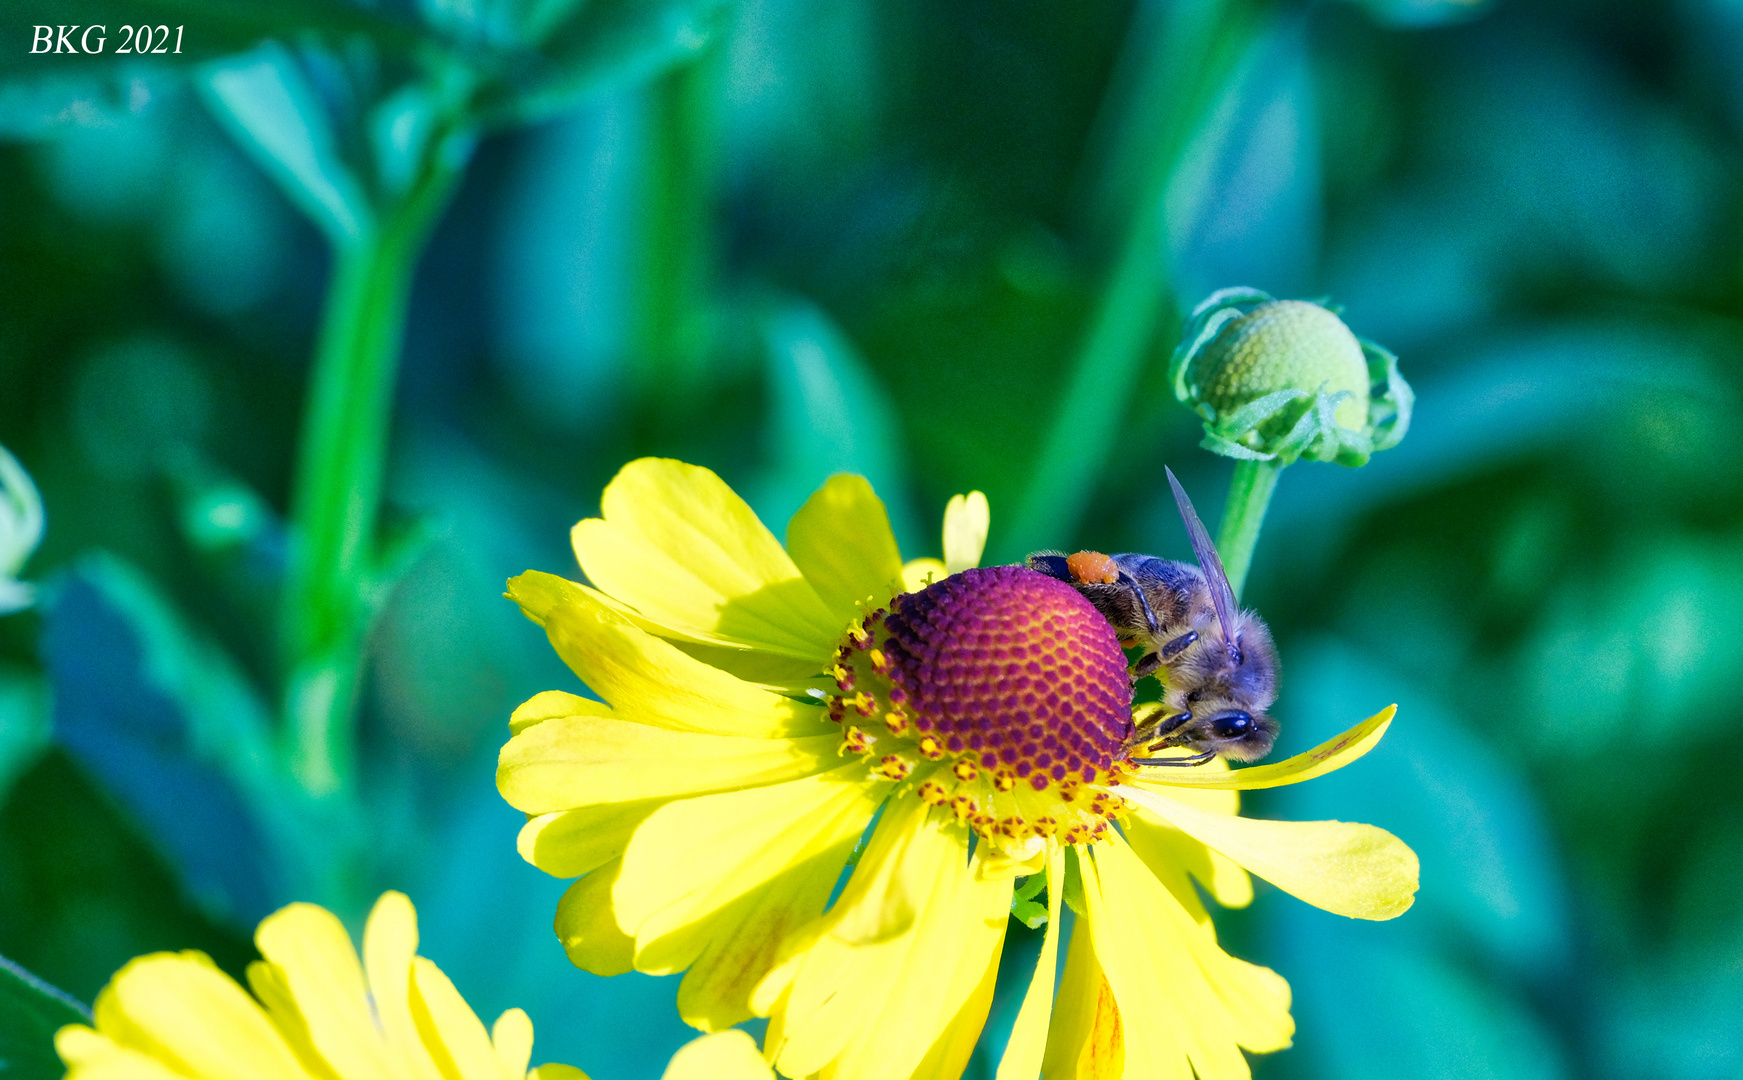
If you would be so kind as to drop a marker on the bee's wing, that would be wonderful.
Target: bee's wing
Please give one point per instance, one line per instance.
(1221, 596)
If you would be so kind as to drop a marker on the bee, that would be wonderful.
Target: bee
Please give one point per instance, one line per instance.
(1217, 663)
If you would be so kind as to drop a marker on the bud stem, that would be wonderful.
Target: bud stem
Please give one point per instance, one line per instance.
(1243, 517)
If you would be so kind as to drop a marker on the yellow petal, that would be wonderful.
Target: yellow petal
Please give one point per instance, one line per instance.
(512, 1038)
(450, 1028)
(1165, 848)
(1344, 867)
(1326, 757)
(1028, 1041)
(570, 843)
(655, 682)
(955, 1044)
(274, 995)
(318, 966)
(693, 858)
(966, 520)
(587, 924)
(571, 762)
(724, 1055)
(557, 1072)
(1085, 1040)
(178, 1008)
(390, 942)
(683, 549)
(550, 705)
(841, 541)
(875, 1009)
(1142, 939)
(90, 1056)
(919, 573)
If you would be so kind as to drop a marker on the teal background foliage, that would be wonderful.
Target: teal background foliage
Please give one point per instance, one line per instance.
(948, 246)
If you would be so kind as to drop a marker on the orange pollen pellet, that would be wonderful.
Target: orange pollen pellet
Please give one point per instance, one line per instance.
(1093, 568)
(965, 771)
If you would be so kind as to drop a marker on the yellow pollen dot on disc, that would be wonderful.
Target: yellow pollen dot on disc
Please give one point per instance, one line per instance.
(965, 806)
(932, 793)
(1045, 826)
(931, 747)
(965, 771)
(1004, 781)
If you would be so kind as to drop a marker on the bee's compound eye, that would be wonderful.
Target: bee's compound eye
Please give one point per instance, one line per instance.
(1231, 725)
(1092, 568)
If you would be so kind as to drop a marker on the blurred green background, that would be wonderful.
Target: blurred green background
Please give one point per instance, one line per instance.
(948, 246)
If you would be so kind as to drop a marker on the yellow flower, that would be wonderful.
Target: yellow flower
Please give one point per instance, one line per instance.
(772, 715)
(320, 1015)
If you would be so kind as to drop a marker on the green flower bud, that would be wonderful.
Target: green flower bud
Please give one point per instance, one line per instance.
(1279, 380)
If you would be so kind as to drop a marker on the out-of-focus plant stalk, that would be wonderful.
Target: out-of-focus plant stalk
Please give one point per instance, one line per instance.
(675, 258)
(1243, 517)
(1179, 81)
(335, 503)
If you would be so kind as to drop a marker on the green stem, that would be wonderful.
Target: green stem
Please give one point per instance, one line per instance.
(337, 493)
(1179, 84)
(1243, 517)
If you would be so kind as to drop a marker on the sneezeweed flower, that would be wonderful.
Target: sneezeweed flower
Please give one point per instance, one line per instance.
(317, 1014)
(947, 734)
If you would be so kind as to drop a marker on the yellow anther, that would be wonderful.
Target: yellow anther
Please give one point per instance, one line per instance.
(863, 703)
(965, 771)
(895, 767)
(931, 747)
(1004, 781)
(1045, 826)
(965, 807)
(932, 793)
(856, 740)
(896, 720)
(879, 661)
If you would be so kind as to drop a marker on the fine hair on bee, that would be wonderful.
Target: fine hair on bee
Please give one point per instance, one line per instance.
(1216, 662)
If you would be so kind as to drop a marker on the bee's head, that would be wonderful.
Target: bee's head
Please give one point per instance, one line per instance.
(1229, 732)
(1227, 701)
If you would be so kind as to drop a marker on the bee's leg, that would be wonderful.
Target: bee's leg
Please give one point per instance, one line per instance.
(1163, 728)
(1177, 762)
(1147, 664)
(1177, 646)
(1143, 603)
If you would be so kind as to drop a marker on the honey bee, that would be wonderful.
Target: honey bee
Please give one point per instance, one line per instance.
(1217, 663)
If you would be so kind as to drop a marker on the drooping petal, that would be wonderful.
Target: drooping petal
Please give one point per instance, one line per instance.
(512, 1039)
(724, 1055)
(318, 967)
(1086, 1039)
(1346, 868)
(390, 943)
(454, 1031)
(1028, 1041)
(1327, 757)
(683, 549)
(557, 1072)
(587, 924)
(570, 843)
(655, 682)
(551, 704)
(90, 1056)
(180, 1009)
(966, 520)
(1166, 849)
(875, 1007)
(692, 859)
(1254, 1001)
(580, 761)
(841, 541)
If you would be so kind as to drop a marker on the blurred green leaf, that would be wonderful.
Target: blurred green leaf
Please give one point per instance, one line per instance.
(830, 415)
(24, 722)
(604, 42)
(31, 1011)
(273, 112)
